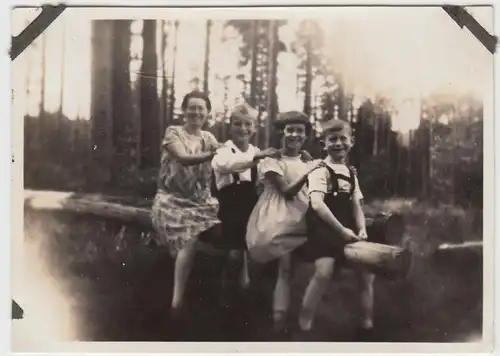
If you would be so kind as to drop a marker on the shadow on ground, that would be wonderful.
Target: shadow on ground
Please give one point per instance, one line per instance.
(121, 288)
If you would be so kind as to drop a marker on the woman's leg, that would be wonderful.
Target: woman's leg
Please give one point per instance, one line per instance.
(281, 298)
(182, 269)
(324, 268)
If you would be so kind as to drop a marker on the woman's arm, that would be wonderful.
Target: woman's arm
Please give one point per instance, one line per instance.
(176, 149)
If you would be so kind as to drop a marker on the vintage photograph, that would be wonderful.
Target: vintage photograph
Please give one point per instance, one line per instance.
(253, 175)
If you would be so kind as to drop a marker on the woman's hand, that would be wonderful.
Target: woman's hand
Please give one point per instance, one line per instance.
(215, 146)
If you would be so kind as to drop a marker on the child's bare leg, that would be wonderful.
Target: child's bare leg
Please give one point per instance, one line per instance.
(244, 276)
(281, 298)
(233, 269)
(366, 282)
(324, 268)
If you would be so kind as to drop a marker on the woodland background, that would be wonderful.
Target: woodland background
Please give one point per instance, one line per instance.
(134, 65)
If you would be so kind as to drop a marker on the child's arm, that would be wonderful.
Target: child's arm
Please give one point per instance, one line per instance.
(325, 214)
(289, 190)
(359, 215)
(225, 161)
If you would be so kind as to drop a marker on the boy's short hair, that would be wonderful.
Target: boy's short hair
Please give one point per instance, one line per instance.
(334, 125)
(244, 111)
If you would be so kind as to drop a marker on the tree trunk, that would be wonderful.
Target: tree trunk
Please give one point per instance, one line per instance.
(172, 99)
(308, 81)
(42, 117)
(101, 102)
(150, 130)
(206, 64)
(272, 102)
(376, 119)
(126, 125)
(60, 116)
(253, 76)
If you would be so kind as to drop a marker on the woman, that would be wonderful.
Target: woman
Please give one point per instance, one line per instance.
(183, 207)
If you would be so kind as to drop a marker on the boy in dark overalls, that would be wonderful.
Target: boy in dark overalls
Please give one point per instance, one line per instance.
(335, 218)
(235, 187)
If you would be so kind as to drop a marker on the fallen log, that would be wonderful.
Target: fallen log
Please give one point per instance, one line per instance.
(381, 258)
(447, 253)
(87, 204)
(385, 228)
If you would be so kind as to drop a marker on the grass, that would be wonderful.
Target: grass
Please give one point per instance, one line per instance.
(120, 284)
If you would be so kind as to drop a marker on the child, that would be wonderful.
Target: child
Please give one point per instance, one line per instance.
(277, 226)
(235, 176)
(335, 218)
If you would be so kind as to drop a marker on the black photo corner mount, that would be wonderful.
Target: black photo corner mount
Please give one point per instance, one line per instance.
(20, 42)
(17, 311)
(463, 18)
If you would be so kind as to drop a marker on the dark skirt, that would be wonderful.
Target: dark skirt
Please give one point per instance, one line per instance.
(236, 203)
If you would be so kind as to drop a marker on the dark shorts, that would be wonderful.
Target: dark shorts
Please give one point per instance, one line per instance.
(315, 248)
(322, 241)
(234, 233)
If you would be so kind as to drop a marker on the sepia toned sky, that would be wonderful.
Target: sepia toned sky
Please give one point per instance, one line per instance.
(400, 52)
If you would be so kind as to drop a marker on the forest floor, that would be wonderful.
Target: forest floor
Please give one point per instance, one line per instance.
(120, 286)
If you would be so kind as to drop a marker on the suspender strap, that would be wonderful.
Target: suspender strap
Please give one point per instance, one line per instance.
(352, 179)
(335, 184)
(253, 173)
(236, 176)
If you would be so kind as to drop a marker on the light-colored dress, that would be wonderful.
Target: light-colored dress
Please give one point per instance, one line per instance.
(277, 225)
(183, 206)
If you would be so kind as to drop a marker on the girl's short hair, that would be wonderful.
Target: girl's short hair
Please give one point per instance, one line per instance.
(244, 111)
(289, 117)
(196, 94)
(292, 117)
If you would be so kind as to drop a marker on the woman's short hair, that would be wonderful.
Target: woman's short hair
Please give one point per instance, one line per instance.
(196, 94)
